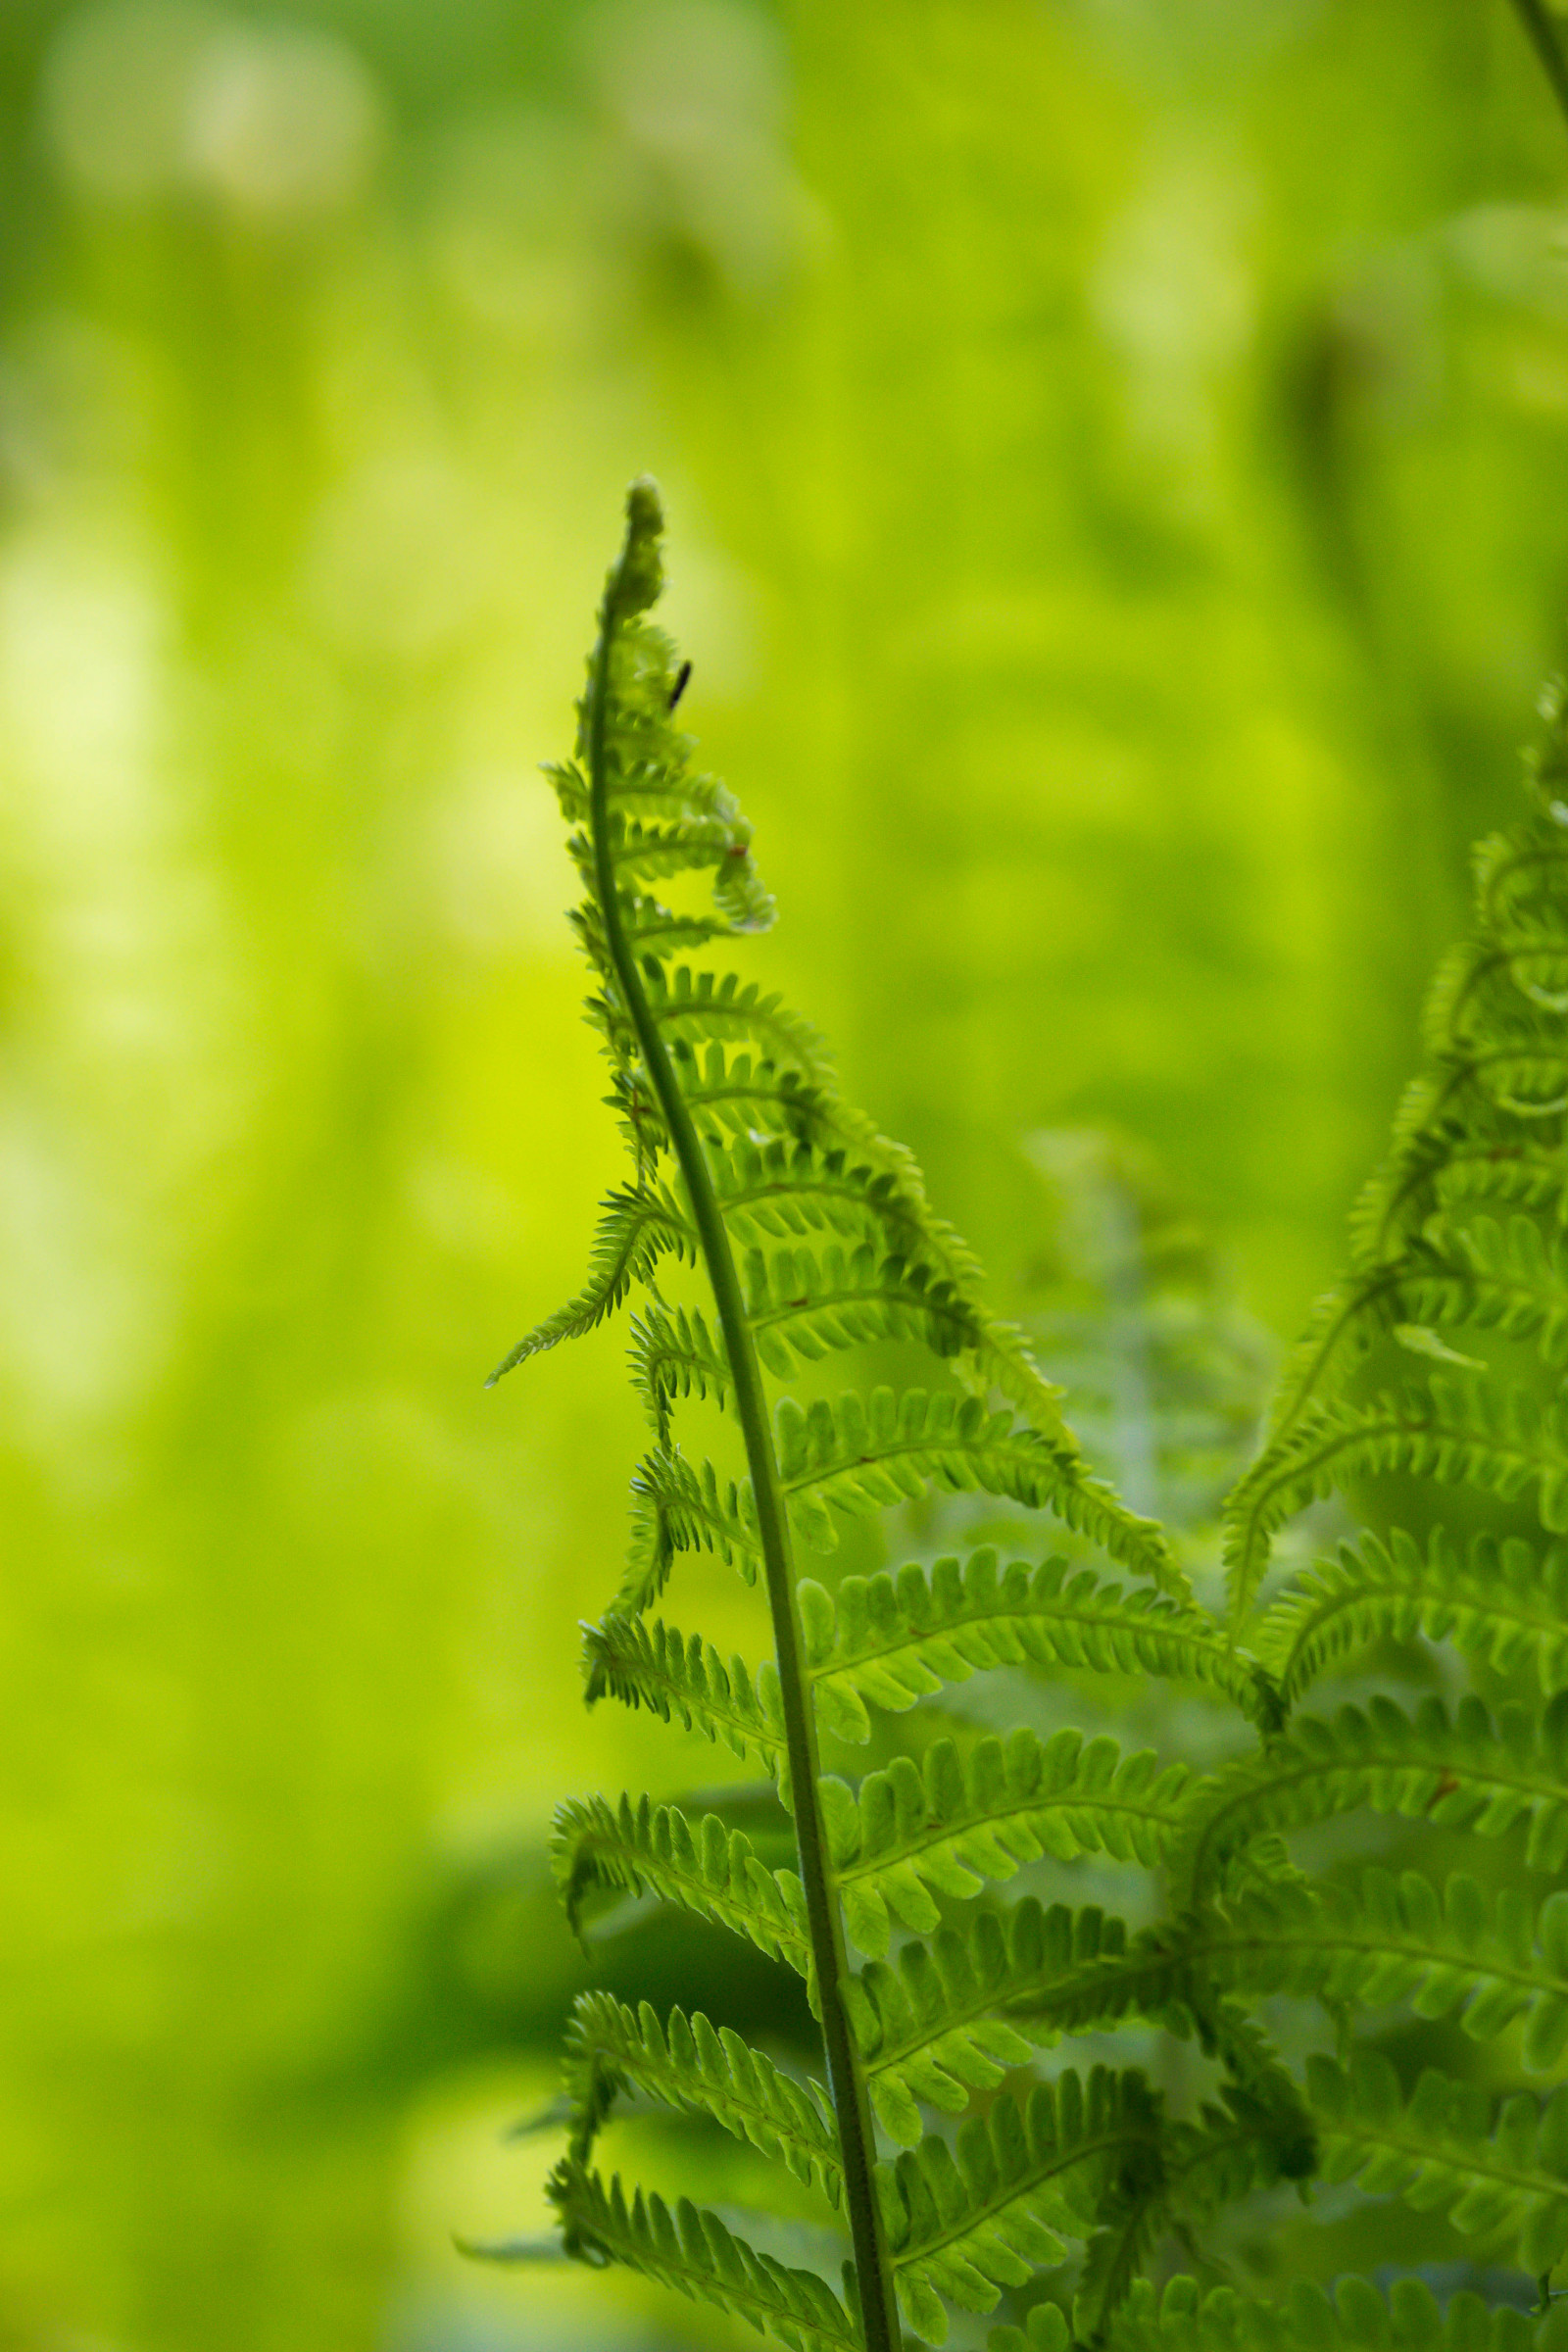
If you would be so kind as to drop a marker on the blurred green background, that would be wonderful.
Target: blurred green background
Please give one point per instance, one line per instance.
(1117, 461)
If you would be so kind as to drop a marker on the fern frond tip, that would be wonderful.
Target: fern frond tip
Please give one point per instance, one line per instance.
(637, 577)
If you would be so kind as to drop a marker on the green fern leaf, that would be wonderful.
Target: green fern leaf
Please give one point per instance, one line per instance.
(1485, 1275)
(1344, 1323)
(966, 2222)
(1183, 2318)
(694, 2252)
(1503, 2180)
(697, 1007)
(800, 1305)
(673, 1354)
(653, 1666)
(1504, 1603)
(635, 1230)
(911, 1835)
(781, 1189)
(1471, 1769)
(1238, 2146)
(931, 2024)
(846, 1174)
(1503, 1445)
(1503, 1173)
(1386, 1939)
(705, 1867)
(861, 1456)
(675, 1508)
(1495, 1276)
(888, 1642)
(687, 2063)
(1398, 1939)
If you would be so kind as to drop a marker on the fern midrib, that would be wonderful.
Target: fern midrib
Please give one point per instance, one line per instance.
(1307, 1377)
(1472, 1776)
(1538, 854)
(1062, 2160)
(1509, 1609)
(910, 1298)
(1027, 1444)
(1458, 2157)
(1333, 1940)
(1196, 1639)
(878, 2310)
(670, 2085)
(756, 1736)
(704, 1898)
(762, 2309)
(1080, 1801)
(1308, 1459)
(956, 2018)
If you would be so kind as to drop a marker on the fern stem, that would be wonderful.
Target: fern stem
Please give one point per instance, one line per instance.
(878, 2310)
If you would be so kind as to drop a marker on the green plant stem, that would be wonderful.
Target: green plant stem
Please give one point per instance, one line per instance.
(1543, 37)
(879, 2316)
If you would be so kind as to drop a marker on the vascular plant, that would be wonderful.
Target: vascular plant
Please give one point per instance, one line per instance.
(767, 1227)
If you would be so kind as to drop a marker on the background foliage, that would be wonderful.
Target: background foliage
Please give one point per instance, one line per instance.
(1116, 457)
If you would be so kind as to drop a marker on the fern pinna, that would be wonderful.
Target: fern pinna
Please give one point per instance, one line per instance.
(1000, 2172)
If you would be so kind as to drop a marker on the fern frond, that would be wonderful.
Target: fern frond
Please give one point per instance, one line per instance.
(686, 2063)
(647, 786)
(860, 1456)
(815, 1234)
(802, 1303)
(1523, 1074)
(1503, 1445)
(1472, 1770)
(694, 2252)
(1504, 1603)
(1387, 1939)
(911, 1833)
(1398, 1939)
(827, 1167)
(1505, 2180)
(782, 1188)
(887, 1642)
(966, 2222)
(932, 2024)
(1344, 1324)
(1357, 2319)
(1237, 2145)
(1486, 1276)
(698, 1008)
(737, 1096)
(673, 1354)
(678, 1508)
(1495, 1276)
(1515, 871)
(635, 1230)
(654, 1666)
(705, 1867)
(1134, 2216)
(1502, 1174)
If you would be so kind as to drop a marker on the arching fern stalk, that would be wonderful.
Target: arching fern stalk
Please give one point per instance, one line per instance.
(813, 1235)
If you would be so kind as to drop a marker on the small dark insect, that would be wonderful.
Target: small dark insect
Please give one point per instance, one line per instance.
(680, 687)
